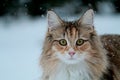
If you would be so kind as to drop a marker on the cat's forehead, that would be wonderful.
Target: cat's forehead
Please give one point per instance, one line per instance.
(75, 30)
(71, 30)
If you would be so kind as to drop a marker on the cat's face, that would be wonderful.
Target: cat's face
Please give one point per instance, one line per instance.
(71, 41)
(72, 45)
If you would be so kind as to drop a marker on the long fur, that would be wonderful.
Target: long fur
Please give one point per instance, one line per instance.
(90, 61)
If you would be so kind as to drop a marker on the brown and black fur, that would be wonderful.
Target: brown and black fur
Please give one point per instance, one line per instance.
(112, 44)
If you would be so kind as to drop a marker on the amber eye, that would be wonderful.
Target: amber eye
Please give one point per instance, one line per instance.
(79, 42)
(63, 42)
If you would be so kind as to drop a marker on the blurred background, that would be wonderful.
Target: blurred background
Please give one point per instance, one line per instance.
(23, 25)
(38, 7)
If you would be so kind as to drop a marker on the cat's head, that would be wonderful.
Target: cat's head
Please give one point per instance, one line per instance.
(70, 42)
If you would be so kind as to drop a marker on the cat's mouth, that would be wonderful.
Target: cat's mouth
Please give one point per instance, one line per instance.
(71, 58)
(74, 59)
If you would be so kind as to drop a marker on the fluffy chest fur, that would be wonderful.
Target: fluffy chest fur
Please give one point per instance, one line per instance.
(71, 72)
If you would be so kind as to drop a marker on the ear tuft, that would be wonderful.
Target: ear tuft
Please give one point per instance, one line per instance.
(87, 18)
(53, 19)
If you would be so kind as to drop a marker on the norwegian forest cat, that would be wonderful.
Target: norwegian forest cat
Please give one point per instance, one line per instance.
(74, 51)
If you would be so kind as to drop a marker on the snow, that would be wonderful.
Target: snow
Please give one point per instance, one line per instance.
(21, 44)
(107, 24)
(20, 48)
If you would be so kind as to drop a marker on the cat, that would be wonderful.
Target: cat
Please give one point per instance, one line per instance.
(112, 44)
(74, 51)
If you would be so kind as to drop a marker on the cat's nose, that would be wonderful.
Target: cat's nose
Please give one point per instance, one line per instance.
(71, 53)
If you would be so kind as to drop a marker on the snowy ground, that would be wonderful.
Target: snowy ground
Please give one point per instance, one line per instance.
(21, 43)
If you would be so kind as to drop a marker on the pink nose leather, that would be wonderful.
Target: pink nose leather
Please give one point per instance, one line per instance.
(71, 53)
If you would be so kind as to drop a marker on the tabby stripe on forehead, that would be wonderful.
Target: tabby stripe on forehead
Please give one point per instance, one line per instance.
(72, 31)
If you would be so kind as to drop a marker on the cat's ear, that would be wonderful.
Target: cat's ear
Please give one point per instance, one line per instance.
(53, 19)
(87, 18)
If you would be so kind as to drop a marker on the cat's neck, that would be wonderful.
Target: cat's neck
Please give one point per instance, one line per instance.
(78, 71)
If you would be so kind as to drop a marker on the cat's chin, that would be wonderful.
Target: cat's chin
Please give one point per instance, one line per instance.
(70, 61)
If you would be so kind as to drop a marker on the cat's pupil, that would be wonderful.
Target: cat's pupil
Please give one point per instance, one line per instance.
(79, 42)
(63, 42)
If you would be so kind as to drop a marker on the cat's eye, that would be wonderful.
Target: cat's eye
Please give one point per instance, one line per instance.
(79, 42)
(63, 42)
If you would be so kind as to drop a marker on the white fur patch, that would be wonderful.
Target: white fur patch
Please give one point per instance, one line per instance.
(71, 72)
